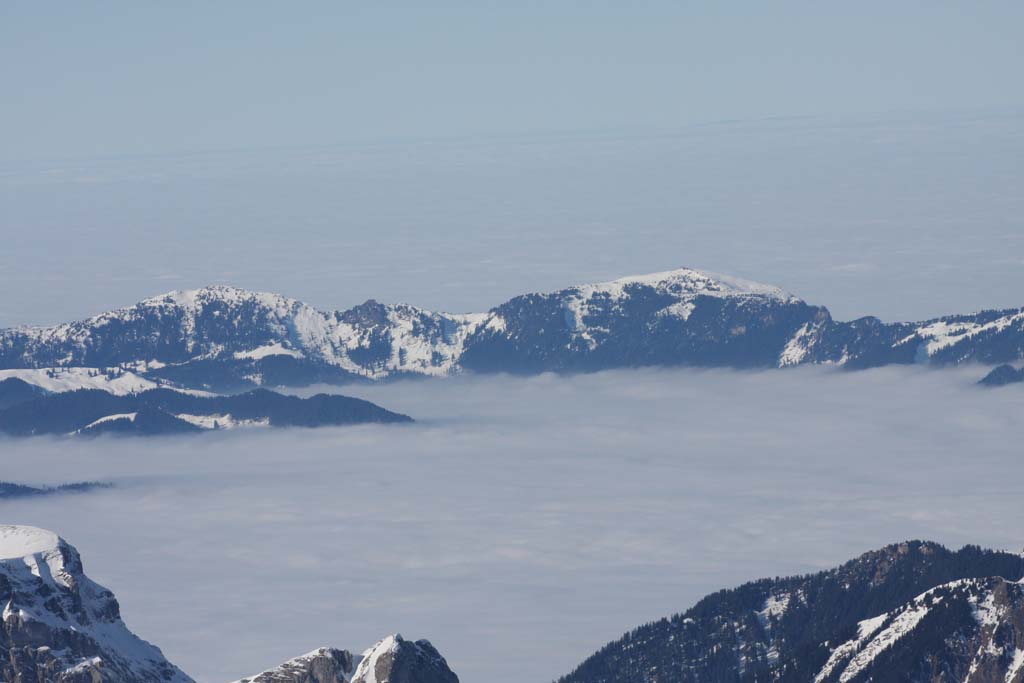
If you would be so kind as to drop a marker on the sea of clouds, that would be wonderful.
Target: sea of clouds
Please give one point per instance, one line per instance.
(522, 523)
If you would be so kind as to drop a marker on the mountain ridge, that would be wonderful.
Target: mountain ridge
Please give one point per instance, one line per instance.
(884, 616)
(165, 411)
(226, 339)
(910, 612)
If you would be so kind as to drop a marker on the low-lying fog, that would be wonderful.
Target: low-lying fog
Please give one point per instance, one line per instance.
(522, 523)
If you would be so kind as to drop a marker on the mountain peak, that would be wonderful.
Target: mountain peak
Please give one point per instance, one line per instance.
(60, 626)
(396, 660)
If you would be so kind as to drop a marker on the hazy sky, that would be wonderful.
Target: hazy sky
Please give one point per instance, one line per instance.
(524, 522)
(865, 156)
(101, 79)
(900, 216)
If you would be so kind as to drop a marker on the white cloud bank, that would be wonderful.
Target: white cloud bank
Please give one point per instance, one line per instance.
(524, 522)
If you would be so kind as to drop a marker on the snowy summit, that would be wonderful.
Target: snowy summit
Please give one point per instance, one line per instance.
(24, 542)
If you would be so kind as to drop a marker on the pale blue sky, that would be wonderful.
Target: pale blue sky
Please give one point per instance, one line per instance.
(111, 78)
(866, 156)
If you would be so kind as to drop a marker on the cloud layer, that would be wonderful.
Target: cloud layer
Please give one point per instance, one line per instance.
(524, 522)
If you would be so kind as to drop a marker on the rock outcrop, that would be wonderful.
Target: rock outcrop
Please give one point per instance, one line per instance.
(396, 660)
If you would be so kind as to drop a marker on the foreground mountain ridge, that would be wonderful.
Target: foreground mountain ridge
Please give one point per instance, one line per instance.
(912, 612)
(225, 338)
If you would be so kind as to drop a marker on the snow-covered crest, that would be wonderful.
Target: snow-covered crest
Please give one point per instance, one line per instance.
(18, 541)
(688, 281)
(684, 286)
(195, 298)
(942, 334)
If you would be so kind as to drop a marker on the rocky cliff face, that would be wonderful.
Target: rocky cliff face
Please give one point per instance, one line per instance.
(61, 627)
(971, 630)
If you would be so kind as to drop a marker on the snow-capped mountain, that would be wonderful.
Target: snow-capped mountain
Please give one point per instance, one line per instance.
(61, 627)
(227, 338)
(58, 626)
(912, 612)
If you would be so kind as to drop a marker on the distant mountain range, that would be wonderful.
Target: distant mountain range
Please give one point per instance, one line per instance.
(909, 613)
(12, 490)
(912, 612)
(228, 339)
(58, 626)
(166, 411)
